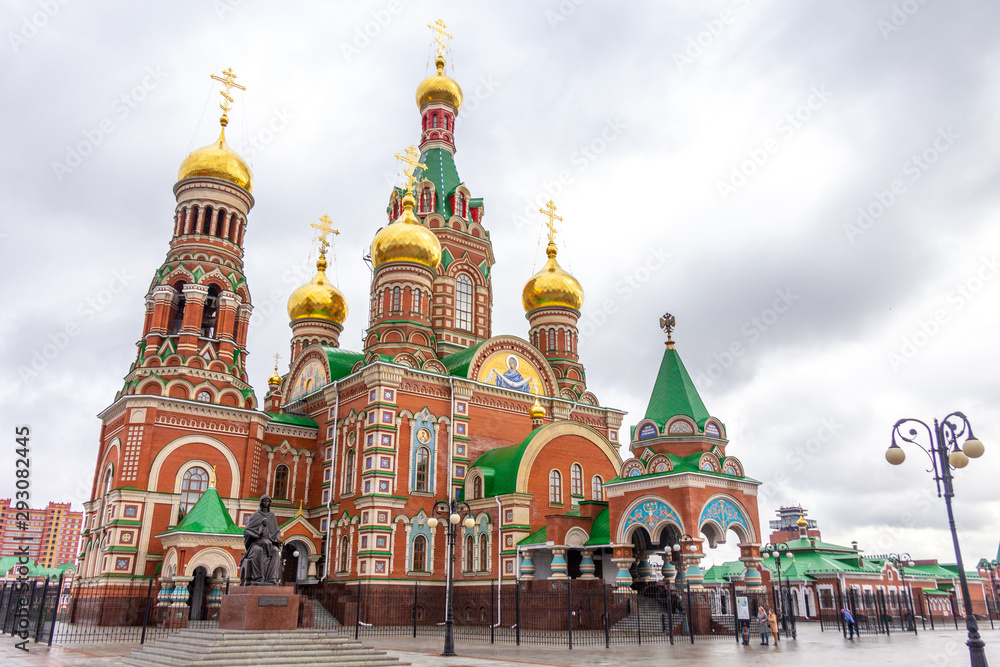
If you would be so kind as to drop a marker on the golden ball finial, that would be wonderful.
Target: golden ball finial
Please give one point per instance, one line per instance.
(801, 523)
(318, 298)
(439, 88)
(552, 286)
(406, 240)
(537, 411)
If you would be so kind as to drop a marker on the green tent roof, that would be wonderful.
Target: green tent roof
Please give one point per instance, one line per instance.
(537, 537)
(294, 420)
(458, 362)
(210, 516)
(439, 169)
(600, 530)
(499, 466)
(674, 393)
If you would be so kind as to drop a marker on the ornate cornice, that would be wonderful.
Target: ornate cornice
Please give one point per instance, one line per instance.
(177, 405)
(683, 480)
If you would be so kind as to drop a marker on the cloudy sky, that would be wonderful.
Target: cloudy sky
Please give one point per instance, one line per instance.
(810, 188)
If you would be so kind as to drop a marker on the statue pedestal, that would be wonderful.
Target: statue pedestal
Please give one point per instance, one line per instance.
(263, 608)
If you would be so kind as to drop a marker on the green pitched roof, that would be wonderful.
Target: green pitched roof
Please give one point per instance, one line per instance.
(458, 362)
(294, 420)
(674, 393)
(341, 361)
(600, 530)
(537, 537)
(499, 466)
(726, 572)
(208, 516)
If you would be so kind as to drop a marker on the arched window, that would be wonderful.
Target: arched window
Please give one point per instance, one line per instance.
(477, 488)
(416, 302)
(177, 313)
(380, 303)
(345, 552)
(576, 480)
(419, 562)
(470, 553)
(423, 469)
(349, 472)
(484, 552)
(210, 313)
(425, 201)
(552, 340)
(463, 304)
(193, 485)
(395, 298)
(434, 120)
(281, 481)
(206, 221)
(597, 488)
(459, 204)
(555, 487)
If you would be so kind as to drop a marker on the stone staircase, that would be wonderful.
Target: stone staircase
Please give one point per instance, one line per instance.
(651, 617)
(239, 648)
(322, 618)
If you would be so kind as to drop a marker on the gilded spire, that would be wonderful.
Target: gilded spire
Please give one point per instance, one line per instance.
(211, 482)
(300, 512)
(275, 379)
(537, 411)
(553, 285)
(667, 323)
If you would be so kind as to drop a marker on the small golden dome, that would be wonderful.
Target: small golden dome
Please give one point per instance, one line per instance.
(217, 160)
(801, 523)
(275, 379)
(537, 411)
(406, 240)
(439, 88)
(318, 298)
(552, 286)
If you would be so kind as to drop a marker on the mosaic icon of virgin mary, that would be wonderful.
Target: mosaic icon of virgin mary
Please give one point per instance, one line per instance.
(511, 378)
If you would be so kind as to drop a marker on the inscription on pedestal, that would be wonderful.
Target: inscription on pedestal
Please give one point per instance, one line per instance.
(272, 601)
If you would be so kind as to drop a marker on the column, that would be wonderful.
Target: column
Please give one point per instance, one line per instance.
(750, 557)
(216, 590)
(587, 567)
(645, 570)
(668, 571)
(179, 610)
(527, 566)
(295, 475)
(558, 564)
(622, 557)
(691, 555)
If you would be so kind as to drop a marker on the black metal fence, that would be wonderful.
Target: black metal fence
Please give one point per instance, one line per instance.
(869, 612)
(567, 612)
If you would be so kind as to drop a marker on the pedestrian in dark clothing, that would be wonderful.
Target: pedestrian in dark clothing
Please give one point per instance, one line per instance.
(849, 619)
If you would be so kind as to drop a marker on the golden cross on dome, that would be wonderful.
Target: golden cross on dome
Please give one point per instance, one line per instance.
(228, 80)
(411, 161)
(211, 482)
(439, 35)
(550, 212)
(325, 227)
(276, 357)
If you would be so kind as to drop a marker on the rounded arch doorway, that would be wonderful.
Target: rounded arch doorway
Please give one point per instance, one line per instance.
(295, 561)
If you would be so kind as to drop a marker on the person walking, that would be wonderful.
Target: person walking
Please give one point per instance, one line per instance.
(772, 623)
(762, 625)
(849, 620)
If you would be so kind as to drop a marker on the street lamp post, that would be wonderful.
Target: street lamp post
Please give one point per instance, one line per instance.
(944, 454)
(901, 561)
(775, 551)
(990, 566)
(452, 511)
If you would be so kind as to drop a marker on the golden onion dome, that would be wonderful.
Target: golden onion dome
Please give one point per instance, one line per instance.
(537, 411)
(217, 160)
(318, 298)
(801, 523)
(552, 286)
(275, 379)
(406, 240)
(439, 88)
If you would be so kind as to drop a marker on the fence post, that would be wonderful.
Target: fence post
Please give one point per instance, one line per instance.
(41, 610)
(670, 612)
(357, 612)
(55, 611)
(732, 606)
(927, 604)
(607, 619)
(841, 604)
(227, 585)
(689, 610)
(638, 617)
(493, 621)
(4, 604)
(145, 615)
(569, 610)
(954, 608)
(415, 584)
(517, 612)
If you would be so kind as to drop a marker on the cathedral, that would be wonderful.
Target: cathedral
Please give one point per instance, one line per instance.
(355, 447)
